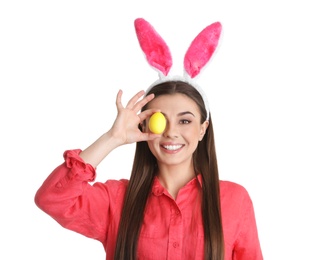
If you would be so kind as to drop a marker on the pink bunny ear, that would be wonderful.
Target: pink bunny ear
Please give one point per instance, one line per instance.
(157, 52)
(201, 49)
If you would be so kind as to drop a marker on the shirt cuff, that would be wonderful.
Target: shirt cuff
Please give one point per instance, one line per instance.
(79, 169)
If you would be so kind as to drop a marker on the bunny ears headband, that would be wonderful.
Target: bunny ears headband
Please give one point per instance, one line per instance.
(159, 56)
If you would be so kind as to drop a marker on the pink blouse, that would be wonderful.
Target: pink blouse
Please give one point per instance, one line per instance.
(172, 229)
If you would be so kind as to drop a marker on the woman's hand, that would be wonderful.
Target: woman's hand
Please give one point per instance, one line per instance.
(126, 126)
(125, 129)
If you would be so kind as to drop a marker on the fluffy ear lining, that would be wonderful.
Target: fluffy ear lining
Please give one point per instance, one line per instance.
(201, 49)
(154, 47)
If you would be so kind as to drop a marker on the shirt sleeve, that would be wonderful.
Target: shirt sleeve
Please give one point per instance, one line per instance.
(68, 197)
(247, 245)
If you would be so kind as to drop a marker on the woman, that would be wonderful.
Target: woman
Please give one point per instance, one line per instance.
(173, 206)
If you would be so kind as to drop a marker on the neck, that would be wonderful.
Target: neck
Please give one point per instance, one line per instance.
(174, 177)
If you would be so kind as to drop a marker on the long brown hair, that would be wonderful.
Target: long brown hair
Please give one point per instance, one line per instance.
(142, 176)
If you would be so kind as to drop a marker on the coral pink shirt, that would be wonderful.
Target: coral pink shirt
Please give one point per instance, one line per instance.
(172, 229)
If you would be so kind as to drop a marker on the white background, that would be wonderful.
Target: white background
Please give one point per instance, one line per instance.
(62, 63)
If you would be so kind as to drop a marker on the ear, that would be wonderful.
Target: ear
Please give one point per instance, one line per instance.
(201, 49)
(154, 47)
(203, 129)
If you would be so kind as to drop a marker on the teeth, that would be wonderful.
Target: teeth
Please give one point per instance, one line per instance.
(172, 147)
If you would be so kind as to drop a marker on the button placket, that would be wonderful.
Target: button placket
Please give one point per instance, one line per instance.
(175, 232)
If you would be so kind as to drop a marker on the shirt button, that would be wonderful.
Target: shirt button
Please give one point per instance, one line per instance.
(175, 244)
(177, 212)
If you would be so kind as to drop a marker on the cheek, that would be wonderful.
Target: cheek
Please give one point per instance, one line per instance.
(192, 132)
(192, 136)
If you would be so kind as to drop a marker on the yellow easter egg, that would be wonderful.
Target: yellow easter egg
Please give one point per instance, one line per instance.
(157, 123)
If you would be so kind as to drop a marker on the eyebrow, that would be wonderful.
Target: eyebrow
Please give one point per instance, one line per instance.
(181, 113)
(185, 113)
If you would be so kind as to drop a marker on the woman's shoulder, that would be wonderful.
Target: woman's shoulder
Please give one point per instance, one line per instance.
(230, 185)
(235, 200)
(229, 189)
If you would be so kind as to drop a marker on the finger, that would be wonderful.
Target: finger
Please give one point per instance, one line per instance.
(134, 99)
(118, 100)
(143, 102)
(148, 136)
(145, 114)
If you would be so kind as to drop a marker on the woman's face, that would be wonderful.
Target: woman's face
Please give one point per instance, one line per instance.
(183, 129)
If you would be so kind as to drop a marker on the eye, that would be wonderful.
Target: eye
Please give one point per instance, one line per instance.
(184, 121)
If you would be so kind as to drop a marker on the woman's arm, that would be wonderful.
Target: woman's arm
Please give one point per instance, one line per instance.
(66, 194)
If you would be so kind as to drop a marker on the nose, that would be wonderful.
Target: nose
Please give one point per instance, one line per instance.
(171, 130)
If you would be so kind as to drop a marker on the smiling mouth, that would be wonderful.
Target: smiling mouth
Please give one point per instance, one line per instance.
(172, 147)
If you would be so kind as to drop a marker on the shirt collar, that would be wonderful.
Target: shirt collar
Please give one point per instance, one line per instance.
(158, 189)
